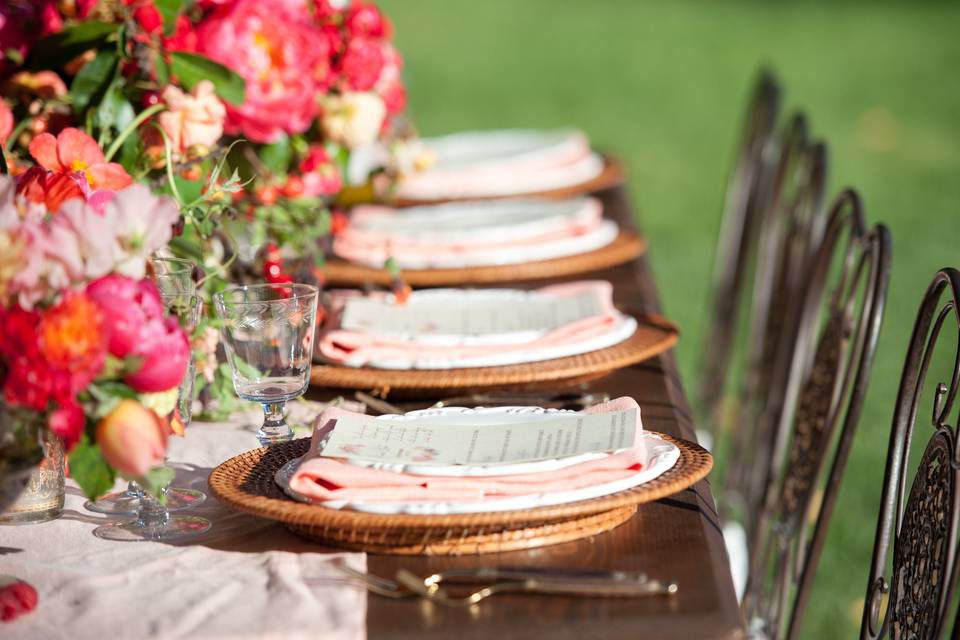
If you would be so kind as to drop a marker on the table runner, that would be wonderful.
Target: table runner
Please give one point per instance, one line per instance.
(245, 578)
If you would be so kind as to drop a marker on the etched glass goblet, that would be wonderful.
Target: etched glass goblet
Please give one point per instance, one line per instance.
(268, 332)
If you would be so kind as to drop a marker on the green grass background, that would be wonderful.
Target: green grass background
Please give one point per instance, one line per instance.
(664, 85)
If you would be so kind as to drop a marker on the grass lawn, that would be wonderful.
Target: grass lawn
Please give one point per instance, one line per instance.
(663, 84)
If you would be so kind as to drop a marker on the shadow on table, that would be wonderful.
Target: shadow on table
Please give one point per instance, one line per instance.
(235, 531)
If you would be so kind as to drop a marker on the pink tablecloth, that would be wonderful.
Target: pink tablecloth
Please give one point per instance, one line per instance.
(245, 578)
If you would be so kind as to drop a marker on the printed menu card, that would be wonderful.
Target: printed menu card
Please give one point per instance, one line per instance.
(531, 437)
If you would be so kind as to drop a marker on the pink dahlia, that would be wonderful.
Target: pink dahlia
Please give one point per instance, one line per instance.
(283, 56)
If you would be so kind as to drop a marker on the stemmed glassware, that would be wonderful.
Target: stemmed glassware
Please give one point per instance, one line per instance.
(174, 279)
(268, 332)
(153, 520)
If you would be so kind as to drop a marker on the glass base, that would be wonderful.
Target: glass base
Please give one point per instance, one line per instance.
(272, 435)
(31, 517)
(173, 529)
(127, 502)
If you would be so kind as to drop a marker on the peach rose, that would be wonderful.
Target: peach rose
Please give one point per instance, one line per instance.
(193, 121)
(353, 119)
(132, 438)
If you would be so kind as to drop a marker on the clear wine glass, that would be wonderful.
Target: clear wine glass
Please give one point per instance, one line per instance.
(268, 334)
(174, 278)
(173, 275)
(153, 521)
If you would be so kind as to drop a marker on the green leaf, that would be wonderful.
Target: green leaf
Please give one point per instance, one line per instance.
(115, 111)
(92, 79)
(65, 45)
(89, 469)
(155, 480)
(190, 190)
(191, 69)
(276, 155)
(169, 9)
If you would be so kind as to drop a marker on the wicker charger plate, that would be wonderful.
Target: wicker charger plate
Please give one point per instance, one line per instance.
(246, 483)
(625, 247)
(654, 335)
(611, 176)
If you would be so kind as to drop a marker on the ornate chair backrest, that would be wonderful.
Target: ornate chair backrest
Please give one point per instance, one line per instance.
(919, 528)
(747, 188)
(789, 236)
(838, 326)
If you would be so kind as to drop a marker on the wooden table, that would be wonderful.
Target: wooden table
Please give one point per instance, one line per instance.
(677, 538)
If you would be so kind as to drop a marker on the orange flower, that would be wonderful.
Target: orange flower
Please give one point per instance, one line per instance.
(72, 339)
(74, 151)
(132, 438)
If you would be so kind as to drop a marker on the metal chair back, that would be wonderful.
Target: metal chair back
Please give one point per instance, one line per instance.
(747, 189)
(790, 235)
(908, 595)
(837, 327)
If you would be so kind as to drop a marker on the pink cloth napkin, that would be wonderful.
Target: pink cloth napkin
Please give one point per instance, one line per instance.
(324, 479)
(339, 345)
(370, 247)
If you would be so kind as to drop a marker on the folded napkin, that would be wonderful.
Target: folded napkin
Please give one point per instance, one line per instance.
(500, 163)
(442, 242)
(327, 479)
(358, 348)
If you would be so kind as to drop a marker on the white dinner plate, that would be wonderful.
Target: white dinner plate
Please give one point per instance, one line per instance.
(660, 456)
(478, 164)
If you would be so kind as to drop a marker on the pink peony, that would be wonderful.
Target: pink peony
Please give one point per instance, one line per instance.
(365, 19)
(193, 121)
(283, 56)
(68, 423)
(137, 327)
(320, 176)
(165, 353)
(362, 63)
(127, 304)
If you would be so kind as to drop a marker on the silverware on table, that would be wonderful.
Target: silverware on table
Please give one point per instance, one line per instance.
(615, 584)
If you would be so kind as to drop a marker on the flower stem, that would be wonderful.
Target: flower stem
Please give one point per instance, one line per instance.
(130, 128)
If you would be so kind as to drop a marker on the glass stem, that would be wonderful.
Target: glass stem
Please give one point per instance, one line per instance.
(152, 516)
(133, 489)
(275, 428)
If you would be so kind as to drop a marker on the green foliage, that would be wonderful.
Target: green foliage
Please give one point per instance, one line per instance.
(89, 469)
(155, 480)
(92, 80)
(169, 9)
(297, 224)
(276, 155)
(190, 69)
(57, 49)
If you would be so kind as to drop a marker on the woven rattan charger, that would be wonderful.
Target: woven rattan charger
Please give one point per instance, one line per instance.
(654, 335)
(625, 247)
(246, 483)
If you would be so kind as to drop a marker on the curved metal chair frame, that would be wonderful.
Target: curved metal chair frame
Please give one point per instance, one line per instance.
(837, 327)
(790, 235)
(919, 528)
(746, 189)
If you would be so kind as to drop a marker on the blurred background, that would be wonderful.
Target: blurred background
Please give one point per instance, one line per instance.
(664, 86)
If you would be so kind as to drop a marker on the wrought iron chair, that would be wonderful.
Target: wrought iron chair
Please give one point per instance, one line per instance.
(790, 235)
(747, 189)
(920, 528)
(838, 323)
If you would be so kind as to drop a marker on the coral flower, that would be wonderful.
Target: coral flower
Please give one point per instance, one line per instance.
(132, 438)
(74, 167)
(281, 54)
(72, 339)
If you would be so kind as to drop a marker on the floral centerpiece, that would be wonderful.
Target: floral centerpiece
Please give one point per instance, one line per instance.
(257, 118)
(87, 351)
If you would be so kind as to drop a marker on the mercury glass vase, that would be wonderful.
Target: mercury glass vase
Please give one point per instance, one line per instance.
(42, 498)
